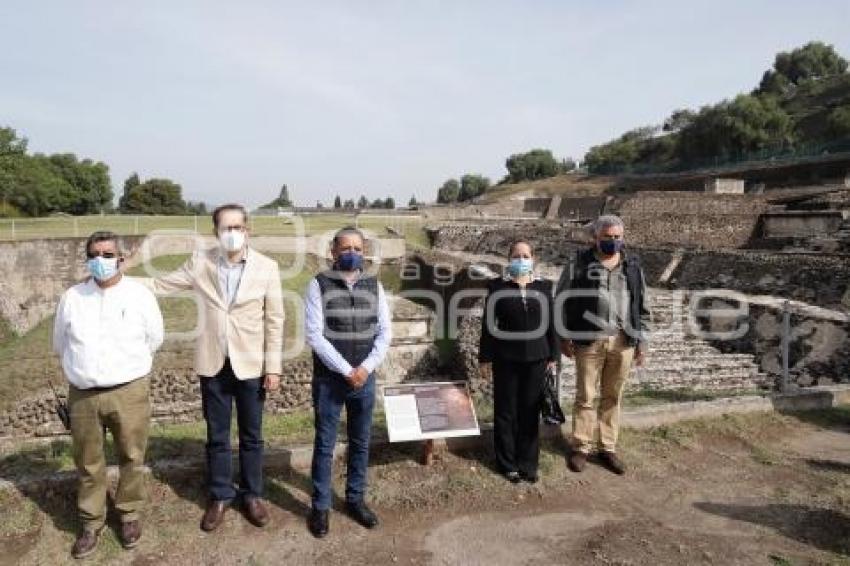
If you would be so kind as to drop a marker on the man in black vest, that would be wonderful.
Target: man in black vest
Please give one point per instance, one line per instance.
(349, 330)
(606, 318)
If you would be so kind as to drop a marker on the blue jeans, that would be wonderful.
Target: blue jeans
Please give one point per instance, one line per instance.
(330, 393)
(217, 396)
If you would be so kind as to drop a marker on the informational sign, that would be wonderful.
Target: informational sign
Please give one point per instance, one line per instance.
(420, 411)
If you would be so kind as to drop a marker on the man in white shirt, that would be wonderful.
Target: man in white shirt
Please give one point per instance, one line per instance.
(105, 332)
(348, 327)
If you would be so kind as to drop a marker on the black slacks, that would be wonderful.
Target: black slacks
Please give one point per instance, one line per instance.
(517, 395)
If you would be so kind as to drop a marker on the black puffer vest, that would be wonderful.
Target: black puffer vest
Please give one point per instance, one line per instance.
(351, 318)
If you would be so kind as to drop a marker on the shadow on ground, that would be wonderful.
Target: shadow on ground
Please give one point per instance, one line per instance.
(825, 529)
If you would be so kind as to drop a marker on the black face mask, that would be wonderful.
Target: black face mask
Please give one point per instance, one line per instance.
(610, 247)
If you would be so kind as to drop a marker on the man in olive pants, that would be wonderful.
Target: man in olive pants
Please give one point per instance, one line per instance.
(605, 326)
(105, 332)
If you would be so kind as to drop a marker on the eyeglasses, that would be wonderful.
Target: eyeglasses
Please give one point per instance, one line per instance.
(225, 229)
(104, 255)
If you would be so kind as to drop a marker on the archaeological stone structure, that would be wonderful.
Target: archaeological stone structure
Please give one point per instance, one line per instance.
(714, 263)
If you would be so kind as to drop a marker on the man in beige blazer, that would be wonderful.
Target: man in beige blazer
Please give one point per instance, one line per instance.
(238, 355)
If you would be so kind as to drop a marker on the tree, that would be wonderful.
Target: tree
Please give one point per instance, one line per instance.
(534, 164)
(745, 124)
(813, 61)
(156, 196)
(10, 143)
(838, 122)
(619, 154)
(348, 204)
(92, 187)
(32, 187)
(449, 192)
(389, 203)
(679, 120)
(472, 186)
(337, 202)
(412, 202)
(196, 208)
(42, 184)
(282, 200)
(131, 181)
(363, 202)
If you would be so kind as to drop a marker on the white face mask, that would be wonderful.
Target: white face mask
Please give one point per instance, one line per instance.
(232, 240)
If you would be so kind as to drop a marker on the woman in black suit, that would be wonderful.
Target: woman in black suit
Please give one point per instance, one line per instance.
(518, 346)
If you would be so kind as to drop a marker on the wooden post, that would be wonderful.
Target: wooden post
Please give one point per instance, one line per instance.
(786, 339)
(427, 457)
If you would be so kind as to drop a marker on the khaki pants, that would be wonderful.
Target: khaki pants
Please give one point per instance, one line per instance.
(125, 411)
(606, 362)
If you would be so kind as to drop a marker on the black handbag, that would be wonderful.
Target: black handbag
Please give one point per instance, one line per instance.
(551, 407)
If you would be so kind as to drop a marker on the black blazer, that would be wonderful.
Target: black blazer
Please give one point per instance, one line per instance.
(511, 314)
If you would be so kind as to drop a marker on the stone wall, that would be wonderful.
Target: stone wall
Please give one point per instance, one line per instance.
(175, 393)
(36, 272)
(801, 223)
(822, 280)
(818, 279)
(581, 208)
(690, 220)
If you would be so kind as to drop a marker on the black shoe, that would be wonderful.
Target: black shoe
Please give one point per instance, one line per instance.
(530, 478)
(362, 514)
(512, 477)
(317, 522)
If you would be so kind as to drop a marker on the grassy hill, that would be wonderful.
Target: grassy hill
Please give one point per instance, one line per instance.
(569, 184)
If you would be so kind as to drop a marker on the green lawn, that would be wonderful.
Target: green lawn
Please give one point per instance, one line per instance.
(67, 226)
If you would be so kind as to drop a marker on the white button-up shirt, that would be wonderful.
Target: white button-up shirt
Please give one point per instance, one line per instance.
(106, 337)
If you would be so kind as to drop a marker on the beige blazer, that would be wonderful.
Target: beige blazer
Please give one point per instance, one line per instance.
(249, 331)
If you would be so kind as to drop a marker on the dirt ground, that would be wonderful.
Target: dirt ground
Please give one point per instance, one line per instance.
(755, 489)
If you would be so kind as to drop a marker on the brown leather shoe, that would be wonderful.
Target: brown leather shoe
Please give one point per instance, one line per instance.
(256, 512)
(612, 462)
(213, 516)
(577, 461)
(131, 532)
(86, 543)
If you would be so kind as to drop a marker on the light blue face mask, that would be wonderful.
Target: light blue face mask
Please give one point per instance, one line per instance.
(520, 266)
(102, 268)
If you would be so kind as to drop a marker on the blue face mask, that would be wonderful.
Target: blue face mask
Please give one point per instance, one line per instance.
(520, 266)
(349, 261)
(610, 247)
(102, 268)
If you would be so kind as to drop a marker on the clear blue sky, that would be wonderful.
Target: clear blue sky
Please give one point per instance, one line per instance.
(231, 99)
